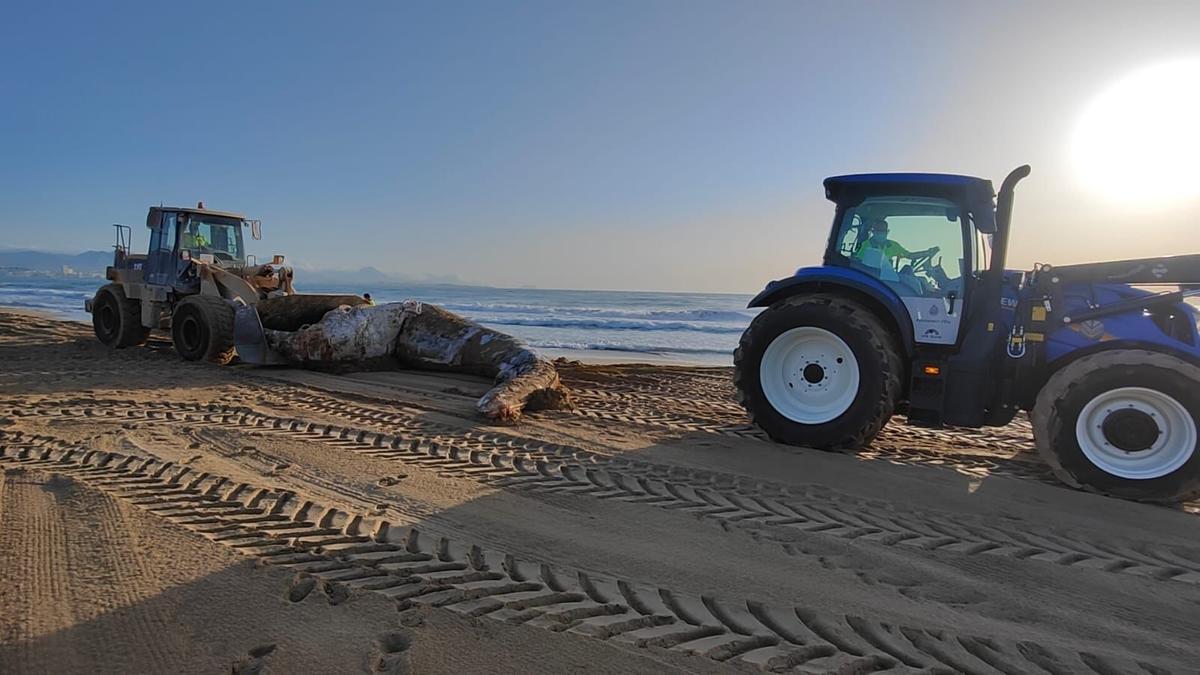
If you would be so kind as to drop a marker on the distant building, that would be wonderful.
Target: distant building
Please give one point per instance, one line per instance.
(68, 271)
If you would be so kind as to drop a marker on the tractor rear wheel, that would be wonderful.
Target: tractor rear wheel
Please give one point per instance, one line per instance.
(820, 371)
(1123, 423)
(116, 319)
(202, 328)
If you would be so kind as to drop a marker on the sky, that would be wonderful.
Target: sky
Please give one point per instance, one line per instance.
(652, 145)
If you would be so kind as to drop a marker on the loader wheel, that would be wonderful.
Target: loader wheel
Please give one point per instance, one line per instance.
(202, 328)
(116, 319)
(818, 370)
(1123, 423)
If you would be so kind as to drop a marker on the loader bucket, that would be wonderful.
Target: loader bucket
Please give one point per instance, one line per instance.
(249, 339)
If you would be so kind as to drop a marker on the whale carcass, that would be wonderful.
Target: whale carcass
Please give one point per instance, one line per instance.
(415, 335)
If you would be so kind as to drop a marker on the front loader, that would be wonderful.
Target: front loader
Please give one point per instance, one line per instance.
(914, 312)
(197, 281)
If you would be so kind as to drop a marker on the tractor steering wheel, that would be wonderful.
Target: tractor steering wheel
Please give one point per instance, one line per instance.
(921, 262)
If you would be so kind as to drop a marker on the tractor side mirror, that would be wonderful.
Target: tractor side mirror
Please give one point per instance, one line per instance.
(256, 229)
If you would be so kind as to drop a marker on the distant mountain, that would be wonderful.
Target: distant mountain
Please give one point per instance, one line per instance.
(88, 262)
(370, 276)
(94, 262)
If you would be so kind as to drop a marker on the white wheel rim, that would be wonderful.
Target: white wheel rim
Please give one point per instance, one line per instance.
(1172, 449)
(809, 375)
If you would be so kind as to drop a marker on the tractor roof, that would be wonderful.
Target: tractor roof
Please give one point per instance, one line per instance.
(858, 186)
(203, 212)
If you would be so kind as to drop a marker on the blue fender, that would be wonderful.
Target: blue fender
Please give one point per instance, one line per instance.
(858, 285)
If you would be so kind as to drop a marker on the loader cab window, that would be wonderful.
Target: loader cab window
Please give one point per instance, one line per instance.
(221, 237)
(912, 244)
(162, 239)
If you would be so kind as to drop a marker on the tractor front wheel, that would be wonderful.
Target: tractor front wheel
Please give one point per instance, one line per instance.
(202, 329)
(820, 371)
(117, 320)
(1123, 423)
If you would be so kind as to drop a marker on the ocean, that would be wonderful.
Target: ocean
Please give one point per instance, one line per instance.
(686, 328)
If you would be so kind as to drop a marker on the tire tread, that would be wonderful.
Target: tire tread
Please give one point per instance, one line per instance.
(1048, 423)
(131, 332)
(218, 317)
(864, 321)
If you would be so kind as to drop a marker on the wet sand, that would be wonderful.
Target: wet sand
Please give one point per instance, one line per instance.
(159, 516)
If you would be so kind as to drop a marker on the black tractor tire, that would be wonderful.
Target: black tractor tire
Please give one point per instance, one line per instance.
(872, 345)
(116, 319)
(202, 329)
(1067, 393)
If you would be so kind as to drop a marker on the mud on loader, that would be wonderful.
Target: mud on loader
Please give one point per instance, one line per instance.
(914, 313)
(197, 281)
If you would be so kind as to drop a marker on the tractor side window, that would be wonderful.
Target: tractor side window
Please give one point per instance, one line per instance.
(983, 250)
(912, 244)
(166, 241)
(851, 235)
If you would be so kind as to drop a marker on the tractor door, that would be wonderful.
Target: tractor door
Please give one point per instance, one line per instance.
(915, 246)
(160, 263)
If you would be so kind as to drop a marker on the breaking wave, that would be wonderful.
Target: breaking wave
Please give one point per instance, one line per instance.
(615, 347)
(606, 324)
(691, 315)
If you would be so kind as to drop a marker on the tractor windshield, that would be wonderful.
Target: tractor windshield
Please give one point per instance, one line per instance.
(216, 235)
(913, 244)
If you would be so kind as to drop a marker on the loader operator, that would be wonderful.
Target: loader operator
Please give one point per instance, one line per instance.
(194, 239)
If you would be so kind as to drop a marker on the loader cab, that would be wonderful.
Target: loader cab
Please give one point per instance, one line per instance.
(179, 236)
(926, 237)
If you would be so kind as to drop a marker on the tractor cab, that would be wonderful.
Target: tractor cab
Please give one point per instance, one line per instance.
(926, 238)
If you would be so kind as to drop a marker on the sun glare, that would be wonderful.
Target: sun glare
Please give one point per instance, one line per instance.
(1138, 142)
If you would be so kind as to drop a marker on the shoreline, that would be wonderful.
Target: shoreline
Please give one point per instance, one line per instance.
(39, 313)
(613, 357)
(597, 357)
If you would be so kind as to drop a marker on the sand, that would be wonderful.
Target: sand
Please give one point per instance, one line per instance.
(164, 516)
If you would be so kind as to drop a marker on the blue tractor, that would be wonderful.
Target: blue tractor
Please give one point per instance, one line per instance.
(914, 313)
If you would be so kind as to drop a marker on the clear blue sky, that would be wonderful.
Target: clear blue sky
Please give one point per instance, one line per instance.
(673, 145)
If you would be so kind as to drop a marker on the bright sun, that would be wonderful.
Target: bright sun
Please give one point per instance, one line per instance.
(1138, 142)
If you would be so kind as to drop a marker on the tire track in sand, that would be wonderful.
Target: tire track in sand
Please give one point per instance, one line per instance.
(348, 553)
(776, 512)
(101, 552)
(30, 537)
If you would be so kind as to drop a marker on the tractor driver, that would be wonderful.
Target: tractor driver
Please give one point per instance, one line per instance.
(890, 249)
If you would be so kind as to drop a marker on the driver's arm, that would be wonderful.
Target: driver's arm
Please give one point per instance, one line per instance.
(917, 254)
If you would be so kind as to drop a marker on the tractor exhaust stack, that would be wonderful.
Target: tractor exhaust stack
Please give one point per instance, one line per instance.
(1004, 206)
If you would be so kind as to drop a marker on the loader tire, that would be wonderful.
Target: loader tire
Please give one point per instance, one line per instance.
(116, 319)
(1124, 423)
(820, 371)
(202, 329)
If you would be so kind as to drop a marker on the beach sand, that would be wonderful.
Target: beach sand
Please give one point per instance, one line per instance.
(163, 516)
